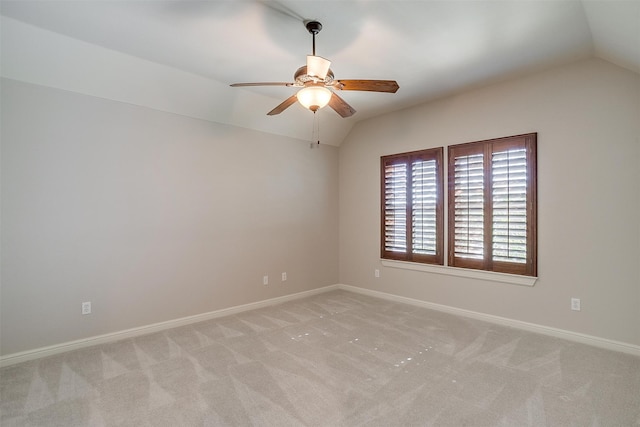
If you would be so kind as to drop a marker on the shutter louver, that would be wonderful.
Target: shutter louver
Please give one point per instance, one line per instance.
(469, 206)
(395, 207)
(424, 205)
(509, 192)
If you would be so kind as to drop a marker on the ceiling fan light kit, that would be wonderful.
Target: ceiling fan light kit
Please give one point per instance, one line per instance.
(316, 81)
(314, 97)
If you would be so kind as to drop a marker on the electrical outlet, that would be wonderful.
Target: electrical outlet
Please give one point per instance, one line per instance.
(376, 272)
(284, 276)
(86, 307)
(265, 280)
(575, 304)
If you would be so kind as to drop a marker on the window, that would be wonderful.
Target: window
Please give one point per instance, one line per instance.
(492, 205)
(412, 208)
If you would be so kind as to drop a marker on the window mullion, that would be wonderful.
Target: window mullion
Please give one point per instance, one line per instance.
(409, 207)
(488, 208)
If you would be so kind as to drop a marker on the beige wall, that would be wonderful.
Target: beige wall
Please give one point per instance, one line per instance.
(587, 116)
(151, 216)
(154, 216)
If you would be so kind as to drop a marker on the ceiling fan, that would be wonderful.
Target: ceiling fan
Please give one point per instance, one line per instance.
(316, 81)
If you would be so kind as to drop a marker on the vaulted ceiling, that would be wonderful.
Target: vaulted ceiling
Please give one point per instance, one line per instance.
(431, 48)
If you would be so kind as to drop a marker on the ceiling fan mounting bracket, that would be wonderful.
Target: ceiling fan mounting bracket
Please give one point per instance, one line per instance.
(313, 27)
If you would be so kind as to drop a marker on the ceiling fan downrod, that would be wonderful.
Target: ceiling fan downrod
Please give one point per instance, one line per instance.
(314, 28)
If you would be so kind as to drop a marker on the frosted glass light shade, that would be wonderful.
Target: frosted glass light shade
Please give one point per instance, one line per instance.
(314, 97)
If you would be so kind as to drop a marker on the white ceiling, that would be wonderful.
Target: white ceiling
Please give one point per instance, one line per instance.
(431, 48)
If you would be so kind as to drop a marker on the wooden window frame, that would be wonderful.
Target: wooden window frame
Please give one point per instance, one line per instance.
(436, 154)
(487, 147)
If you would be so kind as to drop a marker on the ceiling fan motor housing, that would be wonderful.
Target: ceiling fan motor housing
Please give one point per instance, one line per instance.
(302, 78)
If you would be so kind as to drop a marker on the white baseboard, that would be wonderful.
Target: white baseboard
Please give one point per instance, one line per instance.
(531, 327)
(24, 356)
(11, 359)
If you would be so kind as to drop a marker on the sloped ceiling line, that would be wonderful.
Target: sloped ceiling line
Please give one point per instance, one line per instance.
(181, 56)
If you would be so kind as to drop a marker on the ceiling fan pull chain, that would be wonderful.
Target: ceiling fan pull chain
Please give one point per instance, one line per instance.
(315, 113)
(315, 131)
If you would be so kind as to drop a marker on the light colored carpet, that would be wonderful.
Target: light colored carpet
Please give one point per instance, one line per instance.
(336, 359)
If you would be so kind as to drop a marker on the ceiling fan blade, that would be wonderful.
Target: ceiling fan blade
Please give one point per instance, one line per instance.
(318, 66)
(283, 106)
(340, 106)
(262, 84)
(390, 86)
